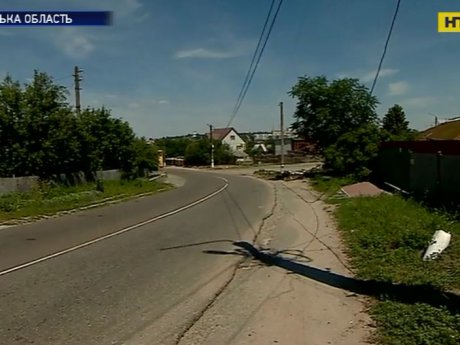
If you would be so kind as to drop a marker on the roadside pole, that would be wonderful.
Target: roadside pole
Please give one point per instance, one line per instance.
(282, 135)
(77, 80)
(212, 146)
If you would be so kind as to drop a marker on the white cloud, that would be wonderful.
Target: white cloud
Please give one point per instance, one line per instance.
(384, 72)
(74, 43)
(163, 101)
(132, 10)
(131, 5)
(366, 77)
(418, 102)
(203, 53)
(397, 88)
(134, 105)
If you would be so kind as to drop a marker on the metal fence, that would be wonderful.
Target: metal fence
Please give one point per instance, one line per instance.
(425, 169)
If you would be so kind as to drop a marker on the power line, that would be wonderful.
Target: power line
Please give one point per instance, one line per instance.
(245, 87)
(246, 79)
(386, 45)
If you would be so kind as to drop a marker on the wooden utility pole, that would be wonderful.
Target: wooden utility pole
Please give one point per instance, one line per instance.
(77, 80)
(212, 146)
(282, 135)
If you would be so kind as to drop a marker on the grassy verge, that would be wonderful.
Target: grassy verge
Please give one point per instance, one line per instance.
(48, 200)
(386, 237)
(330, 185)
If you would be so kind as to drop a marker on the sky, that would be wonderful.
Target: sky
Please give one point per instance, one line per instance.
(171, 67)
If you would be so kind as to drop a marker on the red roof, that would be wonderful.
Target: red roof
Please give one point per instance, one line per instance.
(445, 131)
(220, 133)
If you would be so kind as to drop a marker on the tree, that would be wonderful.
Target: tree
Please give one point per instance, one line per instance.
(198, 152)
(327, 110)
(223, 153)
(339, 118)
(145, 156)
(106, 142)
(173, 147)
(40, 134)
(48, 126)
(11, 131)
(394, 124)
(354, 152)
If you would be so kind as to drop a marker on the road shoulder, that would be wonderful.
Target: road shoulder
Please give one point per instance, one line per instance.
(267, 304)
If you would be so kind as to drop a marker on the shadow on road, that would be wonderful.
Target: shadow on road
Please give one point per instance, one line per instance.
(382, 290)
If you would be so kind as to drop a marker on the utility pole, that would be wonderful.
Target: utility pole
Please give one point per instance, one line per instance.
(77, 80)
(282, 135)
(212, 146)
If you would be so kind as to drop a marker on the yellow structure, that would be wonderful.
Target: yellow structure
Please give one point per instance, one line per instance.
(161, 159)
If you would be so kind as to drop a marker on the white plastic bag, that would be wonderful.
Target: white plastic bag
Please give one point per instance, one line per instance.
(439, 242)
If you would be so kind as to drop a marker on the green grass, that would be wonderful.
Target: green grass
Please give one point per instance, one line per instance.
(48, 200)
(386, 237)
(329, 186)
(417, 324)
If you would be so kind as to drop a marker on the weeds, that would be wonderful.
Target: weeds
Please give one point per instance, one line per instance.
(386, 237)
(48, 199)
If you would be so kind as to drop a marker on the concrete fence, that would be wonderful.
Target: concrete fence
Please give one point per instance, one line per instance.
(27, 183)
(17, 184)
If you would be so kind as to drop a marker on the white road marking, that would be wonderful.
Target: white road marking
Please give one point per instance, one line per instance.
(119, 232)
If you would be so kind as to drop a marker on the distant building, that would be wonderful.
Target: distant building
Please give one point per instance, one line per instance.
(287, 147)
(230, 137)
(260, 148)
(288, 133)
(262, 136)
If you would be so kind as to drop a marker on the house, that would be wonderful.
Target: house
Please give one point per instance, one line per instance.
(303, 146)
(230, 137)
(262, 136)
(288, 133)
(449, 130)
(260, 148)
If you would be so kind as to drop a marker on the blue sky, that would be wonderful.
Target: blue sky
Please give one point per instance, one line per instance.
(170, 67)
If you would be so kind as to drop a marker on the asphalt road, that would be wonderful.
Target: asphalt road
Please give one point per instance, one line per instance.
(124, 289)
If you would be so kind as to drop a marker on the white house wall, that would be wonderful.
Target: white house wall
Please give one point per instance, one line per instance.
(232, 139)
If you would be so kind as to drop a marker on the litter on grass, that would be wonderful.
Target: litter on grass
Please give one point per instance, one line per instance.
(439, 242)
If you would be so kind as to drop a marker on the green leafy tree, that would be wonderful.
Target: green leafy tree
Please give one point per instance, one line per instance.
(40, 134)
(198, 153)
(106, 141)
(250, 143)
(327, 110)
(49, 128)
(354, 152)
(11, 130)
(223, 153)
(340, 118)
(145, 156)
(173, 147)
(395, 126)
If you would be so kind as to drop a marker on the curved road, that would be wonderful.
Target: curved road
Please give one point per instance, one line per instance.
(124, 289)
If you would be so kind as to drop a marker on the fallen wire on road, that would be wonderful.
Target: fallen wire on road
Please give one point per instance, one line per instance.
(314, 233)
(196, 244)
